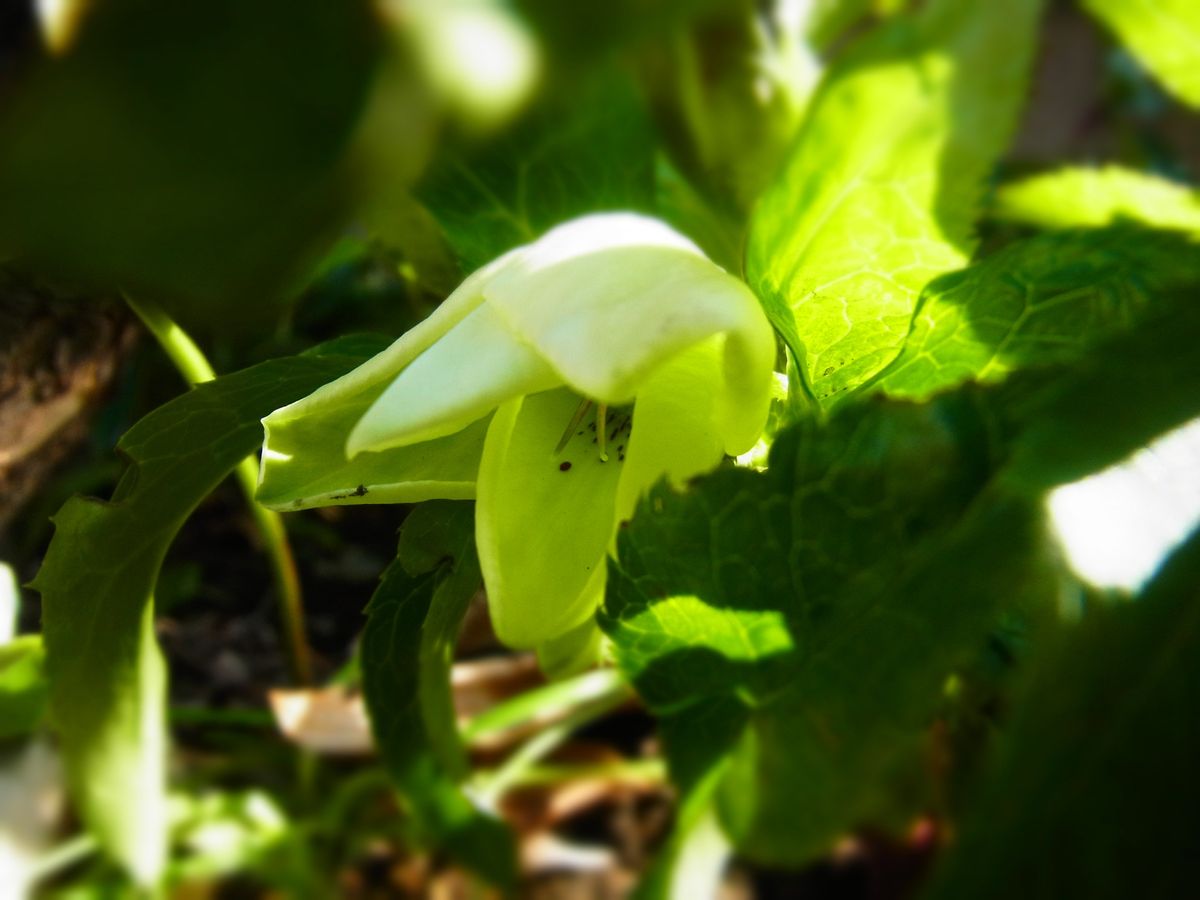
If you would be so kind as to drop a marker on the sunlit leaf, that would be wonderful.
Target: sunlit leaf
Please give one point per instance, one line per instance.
(1098, 197)
(1041, 301)
(1163, 34)
(880, 193)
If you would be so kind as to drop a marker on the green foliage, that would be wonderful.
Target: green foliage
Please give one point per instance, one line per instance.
(407, 649)
(587, 30)
(22, 686)
(585, 150)
(820, 606)
(1093, 791)
(107, 678)
(880, 193)
(793, 628)
(188, 150)
(1037, 302)
(1095, 198)
(1162, 34)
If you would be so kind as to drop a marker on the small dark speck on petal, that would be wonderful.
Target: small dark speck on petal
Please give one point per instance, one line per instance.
(564, 466)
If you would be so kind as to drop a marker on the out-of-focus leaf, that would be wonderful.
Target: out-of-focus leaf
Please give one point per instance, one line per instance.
(1041, 301)
(478, 56)
(1094, 791)
(728, 93)
(1163, 34)
(1098, 197)
(22, 686)
(106, 673)
(880, 193)
(830, 19)
(821, 603)
(188, 150)
(583, 151)
(242, 833)
(407, 649)
(586, 30)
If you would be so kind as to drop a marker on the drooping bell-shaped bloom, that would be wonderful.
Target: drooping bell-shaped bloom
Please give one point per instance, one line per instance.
(674, 355)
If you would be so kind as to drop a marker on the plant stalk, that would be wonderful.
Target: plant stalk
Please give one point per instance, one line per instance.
(191, 363)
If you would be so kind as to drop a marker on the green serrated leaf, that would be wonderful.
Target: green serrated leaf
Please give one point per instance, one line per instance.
(1094, 791)
(1042, 301)
(826, 599)
(820, 604)
(407, 649)
(583, 152)
(880, 193)
(1096, 198)
(1163, 34)
(1070, 421)
(106, 673)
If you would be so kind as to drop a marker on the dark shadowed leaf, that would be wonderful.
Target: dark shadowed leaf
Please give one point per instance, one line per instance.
(822, 603)
(584, 150)
(407, 649)
(188, 150)
(1093, 792)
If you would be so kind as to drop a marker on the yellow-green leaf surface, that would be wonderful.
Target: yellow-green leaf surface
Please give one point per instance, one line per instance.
(1044, 300)
(106, 673)
(1078, 197)
(1163, 34)
(880, 193)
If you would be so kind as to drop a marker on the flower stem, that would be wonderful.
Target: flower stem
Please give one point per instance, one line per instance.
(195, 368)
(595, 694)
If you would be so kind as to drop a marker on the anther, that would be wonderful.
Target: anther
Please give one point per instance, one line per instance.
(601, 418)
(580, 412)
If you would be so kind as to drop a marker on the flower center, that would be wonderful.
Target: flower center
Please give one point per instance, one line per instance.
(602, 426)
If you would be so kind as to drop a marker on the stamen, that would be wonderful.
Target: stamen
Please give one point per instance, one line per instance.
(580, 412)
(601, 426)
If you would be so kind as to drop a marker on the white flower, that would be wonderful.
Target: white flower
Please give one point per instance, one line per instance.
(674, 354)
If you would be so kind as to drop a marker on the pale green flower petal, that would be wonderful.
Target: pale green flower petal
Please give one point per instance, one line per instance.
(606, 298)
(466, 374)
(305, 465)
(371, 378)
(542, 531)
(676, 428)
(574, 651)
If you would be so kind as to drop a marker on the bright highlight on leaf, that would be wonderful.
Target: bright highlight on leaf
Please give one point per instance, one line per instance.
(1118, 526)
(1163, 34)
(618, 309)
(880, 193)
(1079, 197)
